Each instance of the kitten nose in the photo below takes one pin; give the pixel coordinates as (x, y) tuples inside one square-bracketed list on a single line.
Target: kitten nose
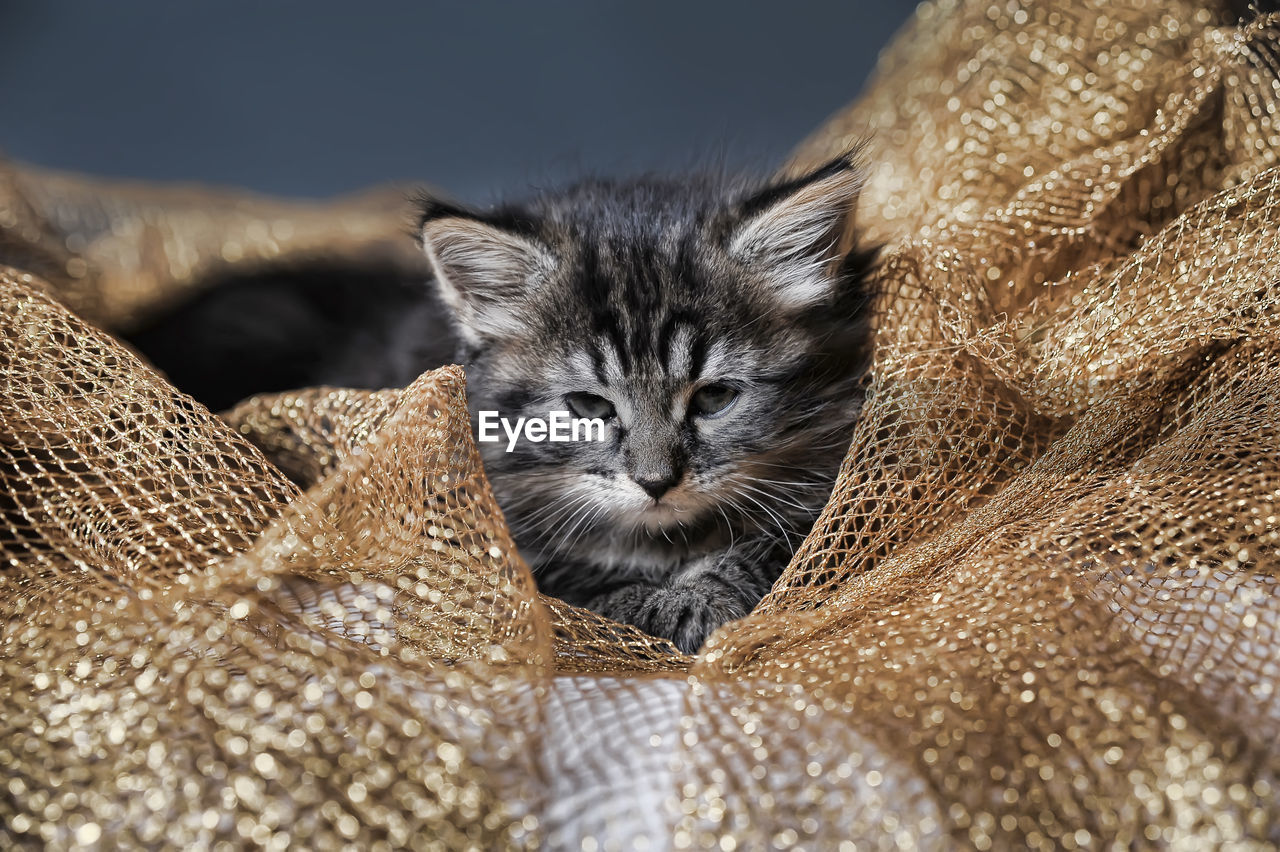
[(657, 484)]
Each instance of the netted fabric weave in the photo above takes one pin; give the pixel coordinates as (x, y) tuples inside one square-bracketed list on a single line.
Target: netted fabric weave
[(1039, 611)]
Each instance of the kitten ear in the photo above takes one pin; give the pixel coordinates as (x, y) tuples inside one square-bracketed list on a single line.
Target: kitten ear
[(798, 232), (484, 269)]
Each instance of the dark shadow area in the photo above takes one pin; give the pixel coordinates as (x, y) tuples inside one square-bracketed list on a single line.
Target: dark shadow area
[(295, 325)]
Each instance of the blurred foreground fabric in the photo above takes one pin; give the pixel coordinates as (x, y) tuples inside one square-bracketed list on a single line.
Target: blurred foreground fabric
[(1039, 611)]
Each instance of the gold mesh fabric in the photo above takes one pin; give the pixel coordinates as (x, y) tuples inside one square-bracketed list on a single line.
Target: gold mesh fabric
[(1039, 611), (118, 252)]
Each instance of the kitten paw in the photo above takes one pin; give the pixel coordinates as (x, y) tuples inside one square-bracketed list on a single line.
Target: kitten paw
[(688, 607), (687, 615)]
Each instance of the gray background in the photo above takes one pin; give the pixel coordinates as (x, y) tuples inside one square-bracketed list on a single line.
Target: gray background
[(478, 99)]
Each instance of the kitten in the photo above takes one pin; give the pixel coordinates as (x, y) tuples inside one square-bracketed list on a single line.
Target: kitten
[(721, 336)]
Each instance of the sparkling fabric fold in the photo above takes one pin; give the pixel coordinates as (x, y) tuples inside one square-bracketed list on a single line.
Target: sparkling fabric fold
[(1040, 609)]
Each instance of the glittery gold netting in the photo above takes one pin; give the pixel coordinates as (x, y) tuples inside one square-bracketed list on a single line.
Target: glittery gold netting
[(1039, 610)]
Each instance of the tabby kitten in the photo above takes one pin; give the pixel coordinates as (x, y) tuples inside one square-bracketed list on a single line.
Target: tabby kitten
[(720, 335)]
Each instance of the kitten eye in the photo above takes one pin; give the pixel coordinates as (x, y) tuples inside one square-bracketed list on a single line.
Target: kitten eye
[(590, 406), (712, 399)]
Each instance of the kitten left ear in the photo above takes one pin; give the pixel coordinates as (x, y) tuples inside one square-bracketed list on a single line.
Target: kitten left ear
[(482, 268), (798, 232)]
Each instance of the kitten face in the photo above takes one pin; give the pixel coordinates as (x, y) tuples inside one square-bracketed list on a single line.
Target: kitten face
[(717, 332)]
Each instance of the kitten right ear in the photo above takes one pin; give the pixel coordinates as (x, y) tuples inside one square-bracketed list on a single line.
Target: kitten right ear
[(799, 231), (483, 268)]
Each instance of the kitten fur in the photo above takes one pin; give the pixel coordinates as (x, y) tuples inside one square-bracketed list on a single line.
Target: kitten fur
[(721, 331)]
